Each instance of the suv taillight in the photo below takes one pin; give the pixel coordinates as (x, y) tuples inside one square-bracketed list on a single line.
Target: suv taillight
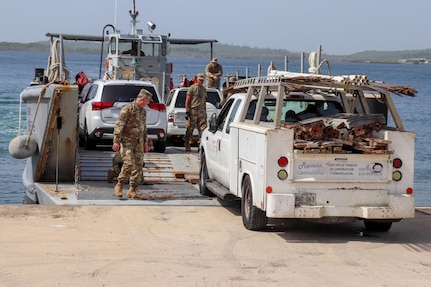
[(101, 105), (157, 107)]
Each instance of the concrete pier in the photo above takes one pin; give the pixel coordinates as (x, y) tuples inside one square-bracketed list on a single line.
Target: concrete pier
[(202, 246)]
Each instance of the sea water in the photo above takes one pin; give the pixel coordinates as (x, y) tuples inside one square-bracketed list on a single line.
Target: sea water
[(17, 70)]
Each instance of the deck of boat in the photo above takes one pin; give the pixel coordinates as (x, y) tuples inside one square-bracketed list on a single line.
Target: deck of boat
[(170, 179)]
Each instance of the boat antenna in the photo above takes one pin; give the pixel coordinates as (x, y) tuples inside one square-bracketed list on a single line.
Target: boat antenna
[(115, 16), (134, 14)]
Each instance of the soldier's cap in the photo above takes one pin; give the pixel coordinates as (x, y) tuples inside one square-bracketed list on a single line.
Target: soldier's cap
[(145, 94), (200, 76), (214, 60), (232, 79)]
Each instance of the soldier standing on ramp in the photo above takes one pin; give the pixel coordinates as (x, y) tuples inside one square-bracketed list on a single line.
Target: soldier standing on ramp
[(196, 114), (130, 138)]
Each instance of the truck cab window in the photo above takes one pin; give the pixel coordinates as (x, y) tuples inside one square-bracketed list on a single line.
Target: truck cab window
[(232, 115)]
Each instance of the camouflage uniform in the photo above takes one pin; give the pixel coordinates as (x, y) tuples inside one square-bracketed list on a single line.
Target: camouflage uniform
[(117, 163), (197, 112), (131, 132), (228, 91), (217, 69)]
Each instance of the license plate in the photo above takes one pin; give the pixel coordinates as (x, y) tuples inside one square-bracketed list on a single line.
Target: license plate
[(305, 199)]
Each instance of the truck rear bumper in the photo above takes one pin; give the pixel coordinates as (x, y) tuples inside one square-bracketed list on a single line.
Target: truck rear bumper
[(283, 206)]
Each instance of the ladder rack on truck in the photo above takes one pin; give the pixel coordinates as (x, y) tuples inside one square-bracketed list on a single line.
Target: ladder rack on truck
[(354, 85)]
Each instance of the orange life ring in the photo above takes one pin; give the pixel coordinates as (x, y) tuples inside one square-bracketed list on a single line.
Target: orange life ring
[(106, 63)]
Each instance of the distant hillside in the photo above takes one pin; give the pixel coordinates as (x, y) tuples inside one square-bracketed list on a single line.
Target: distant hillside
[(385, 56), (230, 51)]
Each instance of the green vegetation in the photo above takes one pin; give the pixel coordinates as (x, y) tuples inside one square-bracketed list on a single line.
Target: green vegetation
[(230, 51)]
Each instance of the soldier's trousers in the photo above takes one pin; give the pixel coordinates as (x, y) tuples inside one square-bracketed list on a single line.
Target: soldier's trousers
[(133, 159), (197, 119)]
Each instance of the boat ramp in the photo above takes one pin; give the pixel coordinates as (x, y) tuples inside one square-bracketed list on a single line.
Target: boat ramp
[(170, 179)]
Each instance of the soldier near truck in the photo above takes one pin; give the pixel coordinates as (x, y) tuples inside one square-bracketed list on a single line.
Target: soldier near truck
[(130, 138), (213, 71), (196, 114)]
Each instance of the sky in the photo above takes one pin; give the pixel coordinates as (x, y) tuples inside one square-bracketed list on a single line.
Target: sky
[(342, 27)]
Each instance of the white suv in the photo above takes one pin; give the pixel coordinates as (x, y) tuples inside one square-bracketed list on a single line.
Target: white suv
[(176, 111), (100, 104)]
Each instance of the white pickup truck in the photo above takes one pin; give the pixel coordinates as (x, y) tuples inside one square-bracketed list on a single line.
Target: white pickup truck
[(313, 147)]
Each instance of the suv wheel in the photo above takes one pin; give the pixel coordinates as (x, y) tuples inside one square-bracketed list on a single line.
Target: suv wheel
[(88, 143)]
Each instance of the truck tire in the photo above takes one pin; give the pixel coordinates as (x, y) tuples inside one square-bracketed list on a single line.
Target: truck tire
[(203, 176), (381, 226), (253, 218)]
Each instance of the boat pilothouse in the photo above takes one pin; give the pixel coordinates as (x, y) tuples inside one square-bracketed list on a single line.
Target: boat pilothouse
[(137, 55)]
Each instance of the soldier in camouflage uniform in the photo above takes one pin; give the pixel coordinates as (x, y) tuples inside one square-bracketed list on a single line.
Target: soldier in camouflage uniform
[(130, 138), (196, 114), (213, 71)]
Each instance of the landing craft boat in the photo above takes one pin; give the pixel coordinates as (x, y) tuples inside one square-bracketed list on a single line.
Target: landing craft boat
[(56, 171)]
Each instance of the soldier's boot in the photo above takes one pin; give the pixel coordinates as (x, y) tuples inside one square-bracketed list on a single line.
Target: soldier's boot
[(187, 145), (132, 192), (118, 189), (111, 175)]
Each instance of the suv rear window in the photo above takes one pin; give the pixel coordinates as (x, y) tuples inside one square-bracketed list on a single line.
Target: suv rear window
[(181, 99), (213, 98), (125, 93)]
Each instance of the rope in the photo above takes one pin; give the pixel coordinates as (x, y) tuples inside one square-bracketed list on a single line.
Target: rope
[(55, 74), (42, 92), (312, 62)]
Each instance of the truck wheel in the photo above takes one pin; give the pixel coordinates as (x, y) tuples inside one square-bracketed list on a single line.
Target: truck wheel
[(253, 218), (382, 226), (203, 176)]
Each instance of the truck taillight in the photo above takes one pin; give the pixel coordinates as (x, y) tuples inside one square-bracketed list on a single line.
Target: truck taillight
[(397, 175), (282, 174), (397, 163), (283, 161)]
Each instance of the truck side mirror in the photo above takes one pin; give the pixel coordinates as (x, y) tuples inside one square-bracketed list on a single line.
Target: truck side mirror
[(213, 123)]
